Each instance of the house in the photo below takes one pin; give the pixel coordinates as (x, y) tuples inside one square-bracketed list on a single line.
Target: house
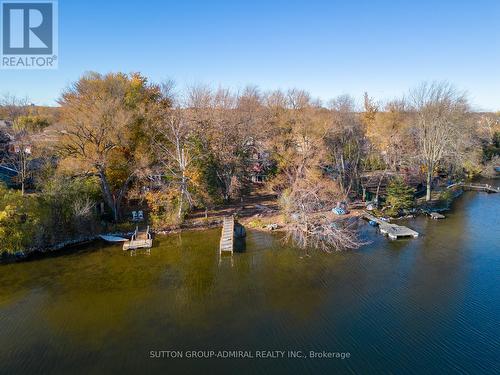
[(15, 148), (259, 161)]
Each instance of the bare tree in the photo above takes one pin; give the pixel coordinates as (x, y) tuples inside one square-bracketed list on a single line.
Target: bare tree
[(172, 145), (13, 107), (224, 132), (309, 226), (19, 157), (345, 141), (489, 125), (306, 194), (440, 115)]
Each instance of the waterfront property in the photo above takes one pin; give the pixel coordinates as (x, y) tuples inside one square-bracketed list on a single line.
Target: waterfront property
[(429, 305)]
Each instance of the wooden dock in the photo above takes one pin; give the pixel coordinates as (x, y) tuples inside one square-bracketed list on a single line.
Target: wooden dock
[(227, 235), (477, 187), (393, 231), (139, 240)]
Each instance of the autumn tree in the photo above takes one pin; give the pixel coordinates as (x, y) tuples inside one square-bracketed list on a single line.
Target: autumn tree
[(369, 115), (280, 137), (13, 107), (105, 130), (295, 134), (223, 138), (345, 142), (300, 130), (174, 150), (32, 123), (439, 124), (389, 137)]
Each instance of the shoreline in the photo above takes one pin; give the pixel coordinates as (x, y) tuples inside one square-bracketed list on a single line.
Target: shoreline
[(258, 222)]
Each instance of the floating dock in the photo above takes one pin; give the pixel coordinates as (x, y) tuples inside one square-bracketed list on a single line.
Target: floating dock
[(227, 236), (393, 231), (139, 240)]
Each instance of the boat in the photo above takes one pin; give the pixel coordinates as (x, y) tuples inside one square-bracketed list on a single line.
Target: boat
[(109, 238), (239, 231), (20, 255), (339, 211), (436, 215)]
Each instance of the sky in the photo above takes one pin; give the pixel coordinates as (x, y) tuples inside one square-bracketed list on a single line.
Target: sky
[(328, 48)]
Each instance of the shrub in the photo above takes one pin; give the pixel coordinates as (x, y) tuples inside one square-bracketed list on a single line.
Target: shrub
[(163, 206), (65, 209), (19, 219), (68, 208), (446, 196), (32, 123)]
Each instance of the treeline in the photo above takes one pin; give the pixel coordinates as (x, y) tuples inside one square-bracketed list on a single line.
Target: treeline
[(118, 138)]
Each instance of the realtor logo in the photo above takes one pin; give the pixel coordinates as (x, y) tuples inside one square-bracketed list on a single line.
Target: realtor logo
[(29, 34)]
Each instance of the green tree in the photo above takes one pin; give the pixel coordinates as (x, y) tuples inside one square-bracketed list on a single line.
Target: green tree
[(400, 196)]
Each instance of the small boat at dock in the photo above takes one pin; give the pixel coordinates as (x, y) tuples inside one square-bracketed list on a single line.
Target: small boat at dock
[(239, 231), (436, 215), (109, 238)]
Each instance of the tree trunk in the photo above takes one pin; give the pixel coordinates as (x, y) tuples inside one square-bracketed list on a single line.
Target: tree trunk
[(179, 213), (183, 189), (108, 197), (119, 196), (429, 178), (379, 184)]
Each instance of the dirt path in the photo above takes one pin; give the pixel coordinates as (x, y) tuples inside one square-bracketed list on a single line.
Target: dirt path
[(258, 202), (256, 210)]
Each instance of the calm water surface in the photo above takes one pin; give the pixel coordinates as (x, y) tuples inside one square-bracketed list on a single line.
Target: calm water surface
[(429, 305)]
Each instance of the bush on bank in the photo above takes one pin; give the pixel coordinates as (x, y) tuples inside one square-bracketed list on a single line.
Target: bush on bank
[(64, 210)]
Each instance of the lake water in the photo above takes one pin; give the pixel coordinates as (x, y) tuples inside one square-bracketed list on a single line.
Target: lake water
[(426, 305)]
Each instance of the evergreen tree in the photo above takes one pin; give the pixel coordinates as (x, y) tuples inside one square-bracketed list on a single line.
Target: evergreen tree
[(399, 195)]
